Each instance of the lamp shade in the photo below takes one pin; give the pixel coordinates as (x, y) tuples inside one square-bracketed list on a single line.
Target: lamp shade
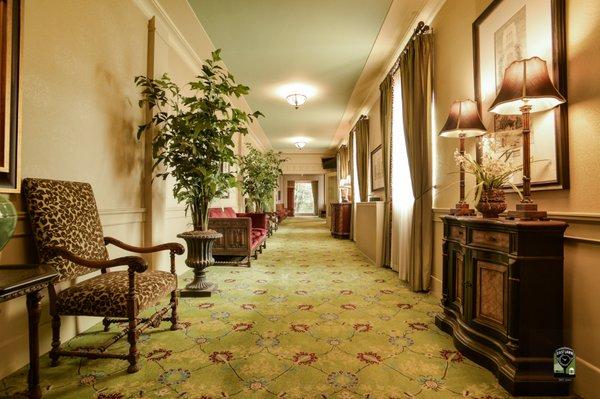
[(526, 82), (463, 120)]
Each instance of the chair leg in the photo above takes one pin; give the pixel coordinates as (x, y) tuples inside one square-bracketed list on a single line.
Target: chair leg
[(133, 352), (174, 316), (55, 340)]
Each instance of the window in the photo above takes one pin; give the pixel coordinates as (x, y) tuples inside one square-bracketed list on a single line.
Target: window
[(303, 198)]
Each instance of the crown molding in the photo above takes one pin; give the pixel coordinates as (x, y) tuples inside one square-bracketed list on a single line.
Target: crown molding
[(366, 89)]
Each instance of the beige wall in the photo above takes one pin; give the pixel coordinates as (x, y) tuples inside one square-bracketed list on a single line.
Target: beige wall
[(79, 117), (579, 206), (79, 114)]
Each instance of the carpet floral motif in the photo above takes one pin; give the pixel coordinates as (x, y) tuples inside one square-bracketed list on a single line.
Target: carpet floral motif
[(312, 318)]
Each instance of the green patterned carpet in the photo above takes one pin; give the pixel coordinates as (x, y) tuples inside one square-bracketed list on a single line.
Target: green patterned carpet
[(311, 319)]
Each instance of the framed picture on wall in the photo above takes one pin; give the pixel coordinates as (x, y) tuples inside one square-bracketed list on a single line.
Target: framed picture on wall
[(507, 31), (377, 180), (10, 105)]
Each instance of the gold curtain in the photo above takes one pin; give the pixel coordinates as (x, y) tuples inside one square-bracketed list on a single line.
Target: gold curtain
[(362, 157), (342, 163), (315, 193), (416, 70), (385, 115)]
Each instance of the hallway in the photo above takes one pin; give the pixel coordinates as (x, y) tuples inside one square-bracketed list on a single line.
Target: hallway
[(310, 319)]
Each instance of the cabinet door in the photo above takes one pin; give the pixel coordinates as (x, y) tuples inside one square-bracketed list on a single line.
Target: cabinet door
[(459, 280), (491, 294), (455, 275)]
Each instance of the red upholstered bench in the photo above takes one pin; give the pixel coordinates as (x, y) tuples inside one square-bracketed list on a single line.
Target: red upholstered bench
[(244, 234)]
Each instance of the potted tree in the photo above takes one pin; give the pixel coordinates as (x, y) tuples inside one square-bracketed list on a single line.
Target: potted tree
[(192, 138), (259, 173)]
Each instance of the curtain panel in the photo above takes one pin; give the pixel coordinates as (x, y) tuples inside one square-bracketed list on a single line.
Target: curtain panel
[(342, 163), (291, 193), (315, 193), (361, 137), (416, 73), (402, 195), (385, 115), (351, 154)]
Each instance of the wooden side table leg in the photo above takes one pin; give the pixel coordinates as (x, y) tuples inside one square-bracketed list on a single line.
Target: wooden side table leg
[(33, 311)]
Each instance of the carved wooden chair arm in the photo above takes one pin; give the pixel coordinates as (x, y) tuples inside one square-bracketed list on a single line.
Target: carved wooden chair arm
[(174, 247), (135, 263)]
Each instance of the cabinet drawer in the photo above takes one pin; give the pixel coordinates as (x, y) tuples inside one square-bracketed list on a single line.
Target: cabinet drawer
[(457, 233), (491, 239)]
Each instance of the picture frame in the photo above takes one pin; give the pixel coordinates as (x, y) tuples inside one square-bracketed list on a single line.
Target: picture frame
[(377, 178), (11, 21), (508, 30)]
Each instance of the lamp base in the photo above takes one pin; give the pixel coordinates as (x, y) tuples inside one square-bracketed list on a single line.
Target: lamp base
[(462, 209), (527, 211)]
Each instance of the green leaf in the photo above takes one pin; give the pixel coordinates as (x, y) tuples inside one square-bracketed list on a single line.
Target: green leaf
[(195, 133)]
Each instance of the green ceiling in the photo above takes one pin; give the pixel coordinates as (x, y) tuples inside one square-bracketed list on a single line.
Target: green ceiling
[(268, 43)]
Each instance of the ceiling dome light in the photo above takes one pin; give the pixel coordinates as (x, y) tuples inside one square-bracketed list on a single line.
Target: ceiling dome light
[(300, 144), (296, 100)]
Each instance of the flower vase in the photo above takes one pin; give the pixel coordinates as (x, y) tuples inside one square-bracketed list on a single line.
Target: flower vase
[(492, 203), (8, 221)]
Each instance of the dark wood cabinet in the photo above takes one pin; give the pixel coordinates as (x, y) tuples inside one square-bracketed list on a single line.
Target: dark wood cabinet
[(341, 214), (502, 298)]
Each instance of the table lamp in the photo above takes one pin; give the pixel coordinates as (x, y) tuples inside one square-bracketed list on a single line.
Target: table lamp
[(463, 121), (526, 88), (344, 188)]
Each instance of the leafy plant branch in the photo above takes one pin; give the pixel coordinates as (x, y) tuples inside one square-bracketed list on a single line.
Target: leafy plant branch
[(193, 135), (259, 173)]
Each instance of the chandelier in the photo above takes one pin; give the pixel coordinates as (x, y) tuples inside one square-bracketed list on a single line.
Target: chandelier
[(300, 144), (296, 100)]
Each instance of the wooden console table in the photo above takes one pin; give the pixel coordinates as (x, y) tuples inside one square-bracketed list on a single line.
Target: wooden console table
[(19, 280), (503, 298), (341, 215)]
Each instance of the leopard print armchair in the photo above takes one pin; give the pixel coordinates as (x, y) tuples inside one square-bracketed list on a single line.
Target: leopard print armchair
[(68, 235)]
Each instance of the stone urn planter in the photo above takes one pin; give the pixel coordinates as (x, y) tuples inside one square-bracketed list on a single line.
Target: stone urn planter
[(492, 203), (199, 257)]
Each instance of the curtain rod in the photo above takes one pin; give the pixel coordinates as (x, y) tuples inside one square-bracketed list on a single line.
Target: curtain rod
[(419, 30)]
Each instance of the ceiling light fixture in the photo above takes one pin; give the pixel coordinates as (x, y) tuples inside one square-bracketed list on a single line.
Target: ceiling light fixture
[(300, 144), (296, 99)]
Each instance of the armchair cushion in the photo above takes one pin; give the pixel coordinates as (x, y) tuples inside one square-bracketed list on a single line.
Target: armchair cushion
[(106, 294), (257, 237), (64, 214), (229, 213), (216, 213), (259, 220)]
